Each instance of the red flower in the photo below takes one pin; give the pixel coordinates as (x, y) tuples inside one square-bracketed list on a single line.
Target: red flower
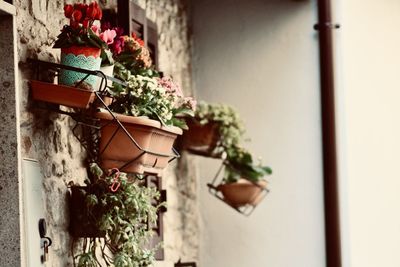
[(118, 45), (137, 39), (74, 24), (119, 30), (80, 6), (77, 15), (91, 12), (68, 9), (86, 23), (105, 26), (99, 14)]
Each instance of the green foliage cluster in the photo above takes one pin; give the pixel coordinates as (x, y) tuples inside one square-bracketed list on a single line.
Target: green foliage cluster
[(80, 36), (230, 126), (128, 64), (239, 162), (124, 216)]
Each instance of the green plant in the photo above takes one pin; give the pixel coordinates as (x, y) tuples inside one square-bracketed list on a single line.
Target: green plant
[(239, 164), (156, 98), (124, 216), (230, 126)]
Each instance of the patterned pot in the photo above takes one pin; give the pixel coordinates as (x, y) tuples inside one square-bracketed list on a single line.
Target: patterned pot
[(80, 57)]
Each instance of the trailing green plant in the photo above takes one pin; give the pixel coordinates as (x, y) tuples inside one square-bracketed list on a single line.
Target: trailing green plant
[(230, 126), (124, 217), (239, 163)]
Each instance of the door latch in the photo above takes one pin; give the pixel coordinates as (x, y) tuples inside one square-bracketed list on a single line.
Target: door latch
[(45, 241)]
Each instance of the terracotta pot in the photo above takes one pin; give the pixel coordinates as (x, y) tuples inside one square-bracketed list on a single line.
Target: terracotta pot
[(80, 57), (82, 222), (150, 135), (200, 139), (242, 192), (61, 94)]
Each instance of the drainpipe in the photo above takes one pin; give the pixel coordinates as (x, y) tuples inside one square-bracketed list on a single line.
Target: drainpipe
[(325, 27)]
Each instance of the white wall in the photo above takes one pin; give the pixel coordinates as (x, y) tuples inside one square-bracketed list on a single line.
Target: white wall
[(262, 57), (369, 111)]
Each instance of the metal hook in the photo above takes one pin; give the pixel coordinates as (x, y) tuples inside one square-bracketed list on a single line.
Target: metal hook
[(116, 184)]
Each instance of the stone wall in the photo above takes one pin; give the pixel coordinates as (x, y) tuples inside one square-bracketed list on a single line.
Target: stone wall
[(47, 136)]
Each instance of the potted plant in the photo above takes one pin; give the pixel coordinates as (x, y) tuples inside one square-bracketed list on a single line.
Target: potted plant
[(133, 58), (81, 47), (243, 180), (214, 128), (149, 109), (120, 210)]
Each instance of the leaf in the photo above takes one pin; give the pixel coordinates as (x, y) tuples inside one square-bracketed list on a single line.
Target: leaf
[(184, 111), (106, 57), (179, 123), (267, 170), (96, 170), (91, 42), (91, 200)]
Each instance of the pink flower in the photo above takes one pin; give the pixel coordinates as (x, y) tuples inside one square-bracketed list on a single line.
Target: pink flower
[(191, 103), (170, 86), (108, 36), (96, 30), (118, 45), (119, 30)]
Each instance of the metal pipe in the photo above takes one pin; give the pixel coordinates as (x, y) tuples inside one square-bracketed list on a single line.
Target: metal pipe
[(331, 199)]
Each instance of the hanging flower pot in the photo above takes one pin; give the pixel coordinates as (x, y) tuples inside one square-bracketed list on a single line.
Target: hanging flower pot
[(151, 152), (201, 138), (243, 192), (125, 208), (61, 94), (80, 44), (214, 128), (80, 57)]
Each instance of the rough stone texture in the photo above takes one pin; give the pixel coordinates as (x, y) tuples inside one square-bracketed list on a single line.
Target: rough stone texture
[(47, 136), (9, 184)]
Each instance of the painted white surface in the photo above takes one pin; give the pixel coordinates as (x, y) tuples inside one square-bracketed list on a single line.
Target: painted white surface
[(6, 8), (33, 210), (369, 88), (262, 57)]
